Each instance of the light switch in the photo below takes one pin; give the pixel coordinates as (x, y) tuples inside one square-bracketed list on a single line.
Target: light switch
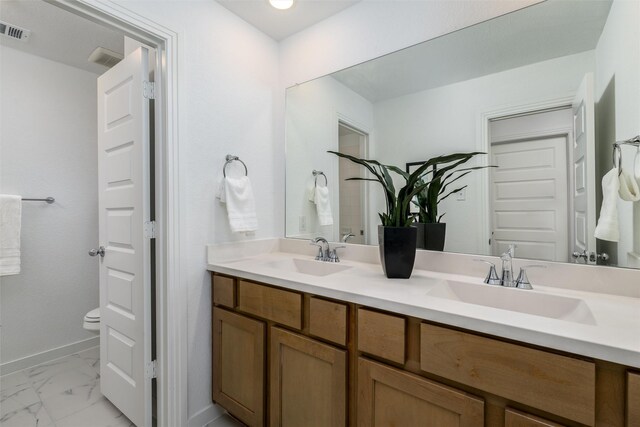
[(461, 195)]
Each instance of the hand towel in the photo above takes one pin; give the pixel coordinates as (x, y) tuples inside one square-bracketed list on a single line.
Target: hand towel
[(237, 194), (10, 224), (323, 206), (629, 191), (608, 227)]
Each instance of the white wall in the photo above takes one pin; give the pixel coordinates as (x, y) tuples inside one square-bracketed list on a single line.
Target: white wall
[(228, 104), (48, 143), (445, 120), (617, 91), (313, 111)]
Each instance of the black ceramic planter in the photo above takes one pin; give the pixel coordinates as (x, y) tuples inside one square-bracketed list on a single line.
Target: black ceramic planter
[(397, 250), (431, 236)]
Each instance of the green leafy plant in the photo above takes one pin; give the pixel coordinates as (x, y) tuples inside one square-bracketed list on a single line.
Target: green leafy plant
[(437, 188), (398, 203)]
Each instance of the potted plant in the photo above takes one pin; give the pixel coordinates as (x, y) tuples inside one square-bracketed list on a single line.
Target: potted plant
[(431, 231), (396, 236)]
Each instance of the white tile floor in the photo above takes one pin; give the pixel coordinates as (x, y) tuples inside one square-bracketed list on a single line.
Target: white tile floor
[(61, 393)]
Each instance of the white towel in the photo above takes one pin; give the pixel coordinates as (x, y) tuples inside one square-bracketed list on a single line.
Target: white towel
[(237, 194), (629, 191), (10, 223), (323, 206), (608, 227)]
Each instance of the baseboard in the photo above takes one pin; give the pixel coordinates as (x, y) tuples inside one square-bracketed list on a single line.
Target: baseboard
[(47, 356), (205, 416)]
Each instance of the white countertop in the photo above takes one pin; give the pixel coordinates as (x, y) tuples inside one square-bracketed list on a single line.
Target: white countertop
[(613, 335)]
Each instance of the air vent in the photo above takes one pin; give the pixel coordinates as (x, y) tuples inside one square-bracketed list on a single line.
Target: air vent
[(11, 31), (105, 57)]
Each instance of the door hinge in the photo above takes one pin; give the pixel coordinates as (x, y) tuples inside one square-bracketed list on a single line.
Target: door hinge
[(151, 369), (149, 90), (150, 229)]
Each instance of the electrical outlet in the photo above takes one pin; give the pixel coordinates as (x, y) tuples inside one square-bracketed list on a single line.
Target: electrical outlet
[(461, 195), (302, 223)]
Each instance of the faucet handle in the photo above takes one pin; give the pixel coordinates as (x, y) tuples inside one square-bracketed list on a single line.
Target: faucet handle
[(333, 254), (492, 277), (522, 282), (320, 255)]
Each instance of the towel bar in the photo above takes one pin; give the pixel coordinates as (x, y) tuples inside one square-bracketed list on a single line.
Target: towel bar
[(49, 200)]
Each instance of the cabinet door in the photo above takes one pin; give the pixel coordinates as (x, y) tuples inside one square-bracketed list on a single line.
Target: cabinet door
[(238, 365), (391, 397), (307, 382), (515, 418)]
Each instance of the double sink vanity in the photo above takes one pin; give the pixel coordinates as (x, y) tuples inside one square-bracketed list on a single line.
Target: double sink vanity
[(302, 342)]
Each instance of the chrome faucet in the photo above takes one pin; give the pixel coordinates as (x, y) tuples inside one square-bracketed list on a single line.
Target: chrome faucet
[(507, 267), (347, 236), (323, 248), (325, 253)]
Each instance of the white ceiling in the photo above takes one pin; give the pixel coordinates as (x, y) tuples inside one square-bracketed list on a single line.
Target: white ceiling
[(280, 24), (544, 31), (58, 35)]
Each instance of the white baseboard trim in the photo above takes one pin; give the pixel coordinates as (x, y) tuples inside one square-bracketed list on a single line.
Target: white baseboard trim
[(47, 356), (205, 416)]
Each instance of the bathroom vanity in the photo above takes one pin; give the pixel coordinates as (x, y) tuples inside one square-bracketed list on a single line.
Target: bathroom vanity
[(299, 342)]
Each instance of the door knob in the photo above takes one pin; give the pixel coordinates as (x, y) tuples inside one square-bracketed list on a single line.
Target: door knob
[(99, 251)]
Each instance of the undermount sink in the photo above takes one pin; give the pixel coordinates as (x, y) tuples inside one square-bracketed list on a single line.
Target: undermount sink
[(521, 301), (305, 266)]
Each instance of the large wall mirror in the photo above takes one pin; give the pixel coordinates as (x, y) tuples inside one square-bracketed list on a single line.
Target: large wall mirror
[(545, 91)]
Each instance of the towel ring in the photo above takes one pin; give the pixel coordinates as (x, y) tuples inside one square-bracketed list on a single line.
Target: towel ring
[(230, 159), (315, 174), (617, 163)]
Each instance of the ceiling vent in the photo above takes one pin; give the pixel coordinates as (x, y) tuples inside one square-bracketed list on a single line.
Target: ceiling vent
[(105, 57), (11, 31)]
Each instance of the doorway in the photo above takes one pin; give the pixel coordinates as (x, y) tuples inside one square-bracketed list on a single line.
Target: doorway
[(352, 201), (529, 190), (159, 159)]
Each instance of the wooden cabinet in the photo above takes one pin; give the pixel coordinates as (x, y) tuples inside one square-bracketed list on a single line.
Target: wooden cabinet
[(515, 418), (238, 365), (391, 397), (560, 385), (382, 335), (307, 382), (285, 358), (633, 399)]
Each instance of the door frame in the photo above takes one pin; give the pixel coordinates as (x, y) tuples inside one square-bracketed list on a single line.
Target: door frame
[(483, 144), (171, 301), (343, 120)]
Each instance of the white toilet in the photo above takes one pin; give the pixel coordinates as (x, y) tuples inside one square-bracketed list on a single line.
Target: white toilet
[(92, 321)]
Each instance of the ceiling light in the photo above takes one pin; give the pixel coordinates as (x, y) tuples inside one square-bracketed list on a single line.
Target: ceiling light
[(281, 4)]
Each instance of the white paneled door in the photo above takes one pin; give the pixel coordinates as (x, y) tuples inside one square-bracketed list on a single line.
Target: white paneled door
[(125, 308), (529, 198), (584, 203)]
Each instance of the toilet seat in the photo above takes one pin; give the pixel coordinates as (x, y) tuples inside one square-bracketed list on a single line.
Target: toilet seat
[(92, 320)]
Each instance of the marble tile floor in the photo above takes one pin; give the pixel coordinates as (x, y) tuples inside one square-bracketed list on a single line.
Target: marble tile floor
[(225, 421), (62, 393)]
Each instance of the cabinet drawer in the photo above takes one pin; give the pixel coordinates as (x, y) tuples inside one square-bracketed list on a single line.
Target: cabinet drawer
[(557, 384), (328, 320), (633, 399), (513, 418), (279, 306), (224, 291), (381, 335)]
